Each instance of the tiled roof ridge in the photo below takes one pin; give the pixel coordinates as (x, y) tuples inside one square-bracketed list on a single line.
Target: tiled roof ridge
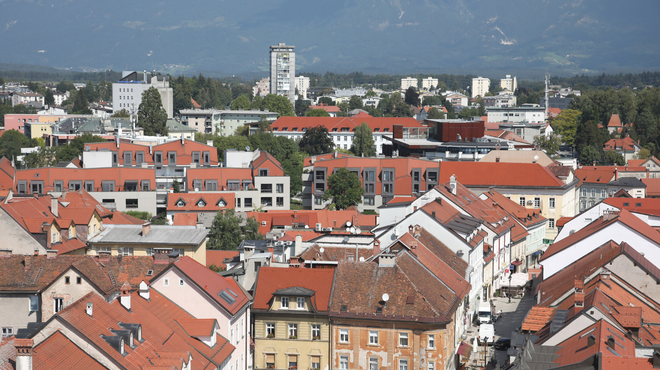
[(418, 290)]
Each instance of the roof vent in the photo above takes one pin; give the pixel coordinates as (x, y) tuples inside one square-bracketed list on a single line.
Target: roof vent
[(226, 297), (591, 340), (344, 308), (150, 272), (115, 342)]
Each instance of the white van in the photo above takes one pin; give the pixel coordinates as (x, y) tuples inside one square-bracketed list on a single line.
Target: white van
[(485, 313), (487, 331)]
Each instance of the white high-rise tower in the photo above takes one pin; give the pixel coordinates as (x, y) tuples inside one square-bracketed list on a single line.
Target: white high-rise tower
[(283, 71)]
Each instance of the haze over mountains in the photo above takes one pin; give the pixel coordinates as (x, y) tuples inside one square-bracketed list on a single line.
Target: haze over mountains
[(372, 36)]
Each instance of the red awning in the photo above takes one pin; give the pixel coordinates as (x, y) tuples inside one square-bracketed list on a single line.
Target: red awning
[(464, 349), (516, 263)]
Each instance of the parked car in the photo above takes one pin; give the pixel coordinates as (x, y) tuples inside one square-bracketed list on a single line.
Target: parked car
[(502, 344)]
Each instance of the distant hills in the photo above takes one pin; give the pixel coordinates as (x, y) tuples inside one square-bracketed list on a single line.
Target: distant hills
[(522, 37)]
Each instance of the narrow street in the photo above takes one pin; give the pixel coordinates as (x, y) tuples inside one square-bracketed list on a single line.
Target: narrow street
[(513, 315)]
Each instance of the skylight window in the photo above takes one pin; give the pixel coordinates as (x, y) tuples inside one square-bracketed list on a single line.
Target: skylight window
[(226, 297), (232, 293), (150, 273)]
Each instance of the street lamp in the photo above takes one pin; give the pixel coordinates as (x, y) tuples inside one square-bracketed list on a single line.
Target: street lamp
[(509, 287)]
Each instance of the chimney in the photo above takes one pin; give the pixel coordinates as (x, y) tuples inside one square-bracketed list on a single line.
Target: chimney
[(298, 245), (433, 214), (173, 257), (452, 184), (23, 353), (209, 142), (90, 308), (610, 343), (36, 252), (144, 290), (53, 207), (386, 260), (271, 249), (579, 293), (410, 228), (125, 297), (5, 253), (161, 257), (27, 262), (146, 227), (376, 249), (51, 254)]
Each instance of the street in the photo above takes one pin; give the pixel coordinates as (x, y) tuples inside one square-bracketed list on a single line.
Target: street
[(512, 318)]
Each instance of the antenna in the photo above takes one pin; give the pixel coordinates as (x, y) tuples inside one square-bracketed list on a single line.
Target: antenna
[(386, 297)]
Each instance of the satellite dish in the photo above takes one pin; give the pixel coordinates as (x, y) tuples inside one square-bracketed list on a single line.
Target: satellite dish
[(348, 223), (386, 297), (352, 230), (358, 231), (322, 250), (346, 239), (348, 229), (361, 259), (247, 148)]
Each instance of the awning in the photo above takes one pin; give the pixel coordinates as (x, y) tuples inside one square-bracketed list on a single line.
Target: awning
[(536, 253), (464, 349), (516, 263)]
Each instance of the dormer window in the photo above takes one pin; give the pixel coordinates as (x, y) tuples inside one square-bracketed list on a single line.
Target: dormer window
[(180, 203), (300, 303), (201, 203), (222, 203), (284, 303)]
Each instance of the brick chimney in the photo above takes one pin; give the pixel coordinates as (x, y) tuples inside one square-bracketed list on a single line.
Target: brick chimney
[(23, 353), (5, 253), (579, 293), (27, 262), (146, 227), (161, 257), (51, 254), (125, 296)]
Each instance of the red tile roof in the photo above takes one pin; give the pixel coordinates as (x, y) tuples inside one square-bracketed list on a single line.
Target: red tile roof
[(183, 151), (290, 235), (217, 257), (321, 157), (499, 174), (397, 200), (267, 161), (325, 217), (191, 201), (621, 144), (595, 175), (271, 279), (526, 216), (575, 349), (58, 352), (652, 187), (213, 284), (6, 174), (327, 108), (537, 318), (336, 124), (121, 218), (184, 219), (334, 254), (614, 121), (649, 206), (198, 327), (117, 174)]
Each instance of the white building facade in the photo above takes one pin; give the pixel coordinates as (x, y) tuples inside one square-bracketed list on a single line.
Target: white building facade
[(429, 82), (408, 82), (480, 86), (127, 92), (283, 71), (509, 83)]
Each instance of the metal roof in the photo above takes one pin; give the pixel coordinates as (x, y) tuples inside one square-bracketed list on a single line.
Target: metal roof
[(159, 234)]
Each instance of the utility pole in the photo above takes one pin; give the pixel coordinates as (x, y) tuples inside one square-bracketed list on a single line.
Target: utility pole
[(547, 81)]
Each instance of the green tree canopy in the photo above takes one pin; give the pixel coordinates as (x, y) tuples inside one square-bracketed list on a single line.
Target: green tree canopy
[(151, 115), (301, 106), (326, 100), (612, 157), (226, 232), (11, 143), (75, 148), (589, 155), (566, 124), (80, 104), (435, 113), (242, 102), (370, 94), (45, 156), (412, 97), (396, 107), (644, 153), (355, 103), (317, 113), (363, 141), (316, 140), (344, 189), (549, 144), (279, 104), (49, 98), (432, 100), (64, 86), (122, 114), (176, 186)]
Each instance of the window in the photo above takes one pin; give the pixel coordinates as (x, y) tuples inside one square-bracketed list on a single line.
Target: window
[(280, 201), (267, 201), (270, 330), (369, 188), (279, 188), (211, 185), (320, 175), (266, 188), (171, 158), (207, 158), (231, 335), (537, 202), (316, 362), (603, 193), (146, 185), (131, 203), (343, 335), (58, 304), (343, 362), (373, 363), (197, 185), (318, 201), (76, 185), (300, 303), (158, 158), (248, 202), (105, 185), (551, 202), (369, 201), (431, 341), (284, 303), (196, 158), (34, 303), (373, 337), (139, 158), (388, 175), (388, 188), (403, 339), (551, 223), (166, 282), (58, 185), (263, 172), (7, 332), (293, 362), (89, 185), (78, 280), (67, 280), (293, 331), (403, 364), (584, 192), (128, 158), (431, 365), (238, 202), (131, 186), (270, 361), (521, 201)]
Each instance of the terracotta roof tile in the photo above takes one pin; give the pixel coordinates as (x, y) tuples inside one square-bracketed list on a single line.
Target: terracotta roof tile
[(626, 143), (537, 318), (271, 279), (321, 157), (217, 257), (334, 254), (614, 121), (197, 327), (58, 352), (191, 202), (381, 123), (121, 218), (487, 174), (575, 349), (443, 252)]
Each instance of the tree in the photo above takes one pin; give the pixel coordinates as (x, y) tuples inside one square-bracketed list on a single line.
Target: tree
[(644, 153), (226, 232), (301, 106), (80, 104), (49, 98), (242, 102), (257, 103), (75, 148), (151, 115), (612, 157), (370, 94), (566, 124), (122, 114), (317, 113), (316, 140), (550, 144), (344, 189), (412, 97), (64, 86), (326, 100), (434, 113), (279, 104), (432, 100), (588, 135), (45, 156), (176, 186), (363, 141), (355, 103), (396, 107), (589, 155), (11, 143)]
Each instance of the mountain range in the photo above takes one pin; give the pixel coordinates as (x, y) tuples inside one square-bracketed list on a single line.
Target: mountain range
[(373, 36)]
